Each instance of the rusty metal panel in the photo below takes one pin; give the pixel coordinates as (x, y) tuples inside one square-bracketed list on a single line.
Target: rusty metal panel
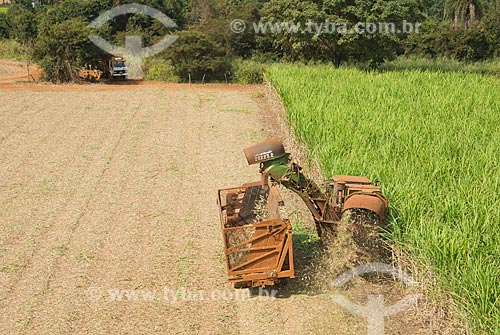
[(257, 241), (352, 179), (371, 201)]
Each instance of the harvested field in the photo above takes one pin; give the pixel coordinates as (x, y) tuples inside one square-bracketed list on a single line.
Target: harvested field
[(109, 223)]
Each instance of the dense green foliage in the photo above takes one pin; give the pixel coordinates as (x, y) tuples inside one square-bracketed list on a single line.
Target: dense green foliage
[(197, 58), (63, 45), (4, 24), (159, 69), (487, 67), (23, 24), (322, 44), (248, 72), (57, 34), (10, 49), (465, 30), (433, 140)]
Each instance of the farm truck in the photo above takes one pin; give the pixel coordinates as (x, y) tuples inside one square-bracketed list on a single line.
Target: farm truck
[(115, 67)]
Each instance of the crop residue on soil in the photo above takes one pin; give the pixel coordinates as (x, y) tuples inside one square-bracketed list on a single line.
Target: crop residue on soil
[(103, 195)]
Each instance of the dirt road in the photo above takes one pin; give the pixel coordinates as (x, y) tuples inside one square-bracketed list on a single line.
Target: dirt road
[(108, 217)]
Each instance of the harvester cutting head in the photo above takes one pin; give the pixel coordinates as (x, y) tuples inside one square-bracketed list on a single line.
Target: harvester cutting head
[(342, 192), (358, 193)]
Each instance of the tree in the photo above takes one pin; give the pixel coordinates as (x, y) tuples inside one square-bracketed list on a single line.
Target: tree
[(196, 57), (324, 30), (438, 39), (63, 47), (5, 25), (217, 21), (23, 24), (491, 24), (463, 12), (24, 28)]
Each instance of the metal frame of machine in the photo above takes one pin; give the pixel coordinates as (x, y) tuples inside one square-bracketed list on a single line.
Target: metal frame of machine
[(264, 254), (257, 253)]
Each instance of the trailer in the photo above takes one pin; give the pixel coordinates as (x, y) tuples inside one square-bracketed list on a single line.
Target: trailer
[(257, 240)]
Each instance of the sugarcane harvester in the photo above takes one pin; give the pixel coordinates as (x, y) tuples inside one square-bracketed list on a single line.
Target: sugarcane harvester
[(257, 240)]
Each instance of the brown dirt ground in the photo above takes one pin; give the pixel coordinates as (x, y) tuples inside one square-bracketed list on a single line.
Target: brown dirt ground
[(12, 72), (102, 191)]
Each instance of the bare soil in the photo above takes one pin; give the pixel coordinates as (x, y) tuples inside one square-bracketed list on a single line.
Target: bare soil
[(113, 187), (12, 72)]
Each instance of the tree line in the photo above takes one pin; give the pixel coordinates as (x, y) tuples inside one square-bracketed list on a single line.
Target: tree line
[(55, 33)]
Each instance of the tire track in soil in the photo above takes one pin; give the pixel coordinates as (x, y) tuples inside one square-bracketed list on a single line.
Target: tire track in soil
[(31, 178), (16, 120), (43, 258), (151, 223), (20, 158)]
